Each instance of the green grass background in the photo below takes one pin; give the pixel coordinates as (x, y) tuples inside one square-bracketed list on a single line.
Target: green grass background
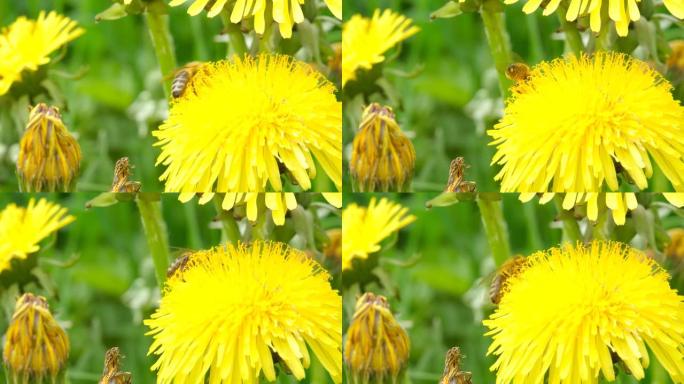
[(442, 298), (110, 286)]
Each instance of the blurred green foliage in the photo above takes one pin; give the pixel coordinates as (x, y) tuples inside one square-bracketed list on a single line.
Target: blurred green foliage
[(452, 98), (441, 297), (98, 277)]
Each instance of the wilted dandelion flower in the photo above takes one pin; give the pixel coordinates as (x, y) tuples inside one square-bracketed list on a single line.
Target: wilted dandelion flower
[(365, 41), (21, 229), (675, 249), (253, 303), (364, 228), (376, 347), (36, 347), (383, 158), (245, 120), (576, 123), (49, 156), (573, 307), (27, 44), (675, 60), (285, 13), (619, 12)]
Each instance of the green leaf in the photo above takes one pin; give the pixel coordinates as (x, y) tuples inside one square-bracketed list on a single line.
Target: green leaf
[(447, 11), (103, 200), (115, 12)]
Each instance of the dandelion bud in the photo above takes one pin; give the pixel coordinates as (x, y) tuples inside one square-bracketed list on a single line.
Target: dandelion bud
[(675, 250), (36, 348), (49, 156), (377, 347), (383, 158)]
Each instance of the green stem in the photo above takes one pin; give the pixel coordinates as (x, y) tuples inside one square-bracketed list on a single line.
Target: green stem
[(495, 226), (572, 34), (237, 45), (499, 43), (230, 227), (571, 229), (534, 236), (536, 44), (155, 232), (158, 25), (258, 228)]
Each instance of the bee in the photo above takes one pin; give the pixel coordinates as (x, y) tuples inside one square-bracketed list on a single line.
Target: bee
[(510, 268), (111, 374), (518, 72), (456, 174), (122, 170), (179, 265), (183, 76), (452, 369)]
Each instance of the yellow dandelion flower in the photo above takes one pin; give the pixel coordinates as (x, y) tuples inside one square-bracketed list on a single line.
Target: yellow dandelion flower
[(35, 345), (376, 347), (576, 123), (278, 203), (284, 12), (620, 12), (383, 158), (365, 41), (619, 203), (364, 228), (255, 303), (676, 199), (245, 120), (565, 314), (49, 156), (27, 44), (21, 229)]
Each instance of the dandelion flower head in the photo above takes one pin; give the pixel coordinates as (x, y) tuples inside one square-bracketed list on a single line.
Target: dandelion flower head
[(365, 41), (620, 12), (571, 307), (285, 13), (364, 228), (22, 228), (243, 123), (235, 301), (576, 123), (27, 44)]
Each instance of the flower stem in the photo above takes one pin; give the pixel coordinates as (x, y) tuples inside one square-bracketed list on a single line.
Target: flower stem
[(534, 236), (230, 227), (536, 44), (499, 41), (495, 226), (237, 44), (149, 205), (158, 24), (572, 34), (571, 229)]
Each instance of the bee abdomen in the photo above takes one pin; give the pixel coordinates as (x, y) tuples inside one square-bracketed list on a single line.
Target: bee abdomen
[(179, 83)]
